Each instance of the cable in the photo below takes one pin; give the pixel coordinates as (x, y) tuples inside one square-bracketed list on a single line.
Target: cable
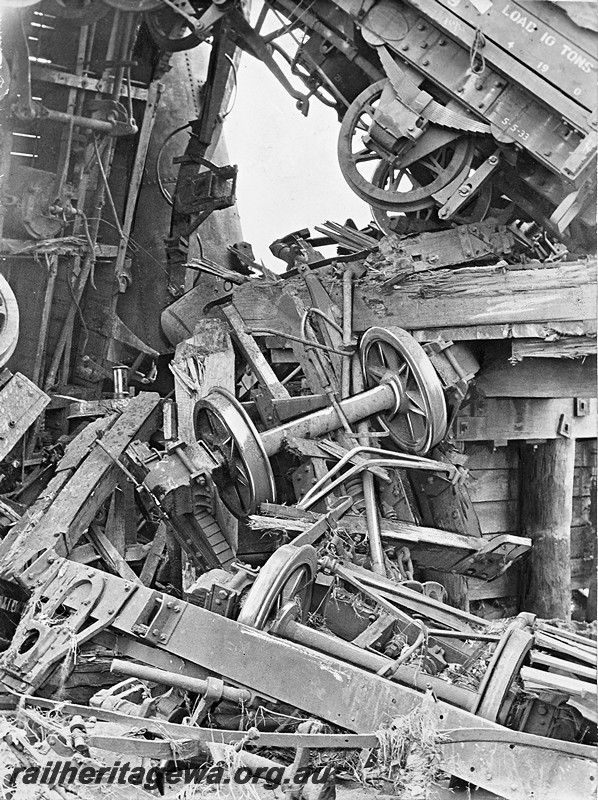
[(91, 249), (134, 242), (108, 192), (235, 88), (165, 194)]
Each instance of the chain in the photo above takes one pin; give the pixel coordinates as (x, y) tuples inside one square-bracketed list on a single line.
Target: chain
[(477, 62)]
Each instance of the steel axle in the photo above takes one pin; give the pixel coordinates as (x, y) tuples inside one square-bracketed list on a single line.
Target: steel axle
[(246, 477), (404, 394)]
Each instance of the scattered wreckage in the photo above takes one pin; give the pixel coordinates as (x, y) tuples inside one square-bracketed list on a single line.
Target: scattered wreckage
[(336, 602), (265, 560)]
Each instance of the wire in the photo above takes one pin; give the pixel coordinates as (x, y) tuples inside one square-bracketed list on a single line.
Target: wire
[(475, 53), (108, 192), (91, 249), (134, 242), (78, 307), (166, 194), (235, 88)]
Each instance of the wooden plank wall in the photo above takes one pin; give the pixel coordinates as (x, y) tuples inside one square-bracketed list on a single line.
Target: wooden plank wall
[(494, 487)]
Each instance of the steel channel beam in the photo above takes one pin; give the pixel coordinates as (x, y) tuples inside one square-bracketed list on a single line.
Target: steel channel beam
[(346, 651), (374, 401), (521, 75), (516, 766)]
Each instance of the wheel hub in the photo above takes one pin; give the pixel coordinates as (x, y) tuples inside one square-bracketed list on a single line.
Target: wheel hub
[(244, 477), (419, 420)]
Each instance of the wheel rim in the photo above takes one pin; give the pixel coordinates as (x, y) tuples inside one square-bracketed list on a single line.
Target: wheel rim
[(420, 421), (244, 477), (287, 575), (475, 211), (9, 321), (380, 180), (170, 31)]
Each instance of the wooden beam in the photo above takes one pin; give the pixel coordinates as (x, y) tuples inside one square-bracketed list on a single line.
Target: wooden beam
[(202, 362), (565, 347), (21, 403), (481, 295), (549, 377), (77, 500), (539, 331), (546, 511), (510, 418), (262, 370)]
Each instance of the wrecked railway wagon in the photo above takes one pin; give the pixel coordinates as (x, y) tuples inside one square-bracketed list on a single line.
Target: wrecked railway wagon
[(316, 527)]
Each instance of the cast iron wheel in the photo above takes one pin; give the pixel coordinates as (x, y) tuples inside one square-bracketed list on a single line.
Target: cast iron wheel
[(420, 421), (475, 211), (287, 575), (244, 478), (379, 178), (170, 31), (9, 321)]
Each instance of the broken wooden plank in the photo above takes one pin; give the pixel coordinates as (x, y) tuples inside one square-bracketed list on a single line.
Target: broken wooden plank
[(206, 360), (564, 347), (110, 554), (60, 525), (482, 295), (536, 657), (21, 403), (542, 331), (257, 361), (536, 678)]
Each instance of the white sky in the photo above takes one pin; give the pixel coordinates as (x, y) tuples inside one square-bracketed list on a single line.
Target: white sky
[(289, 176)]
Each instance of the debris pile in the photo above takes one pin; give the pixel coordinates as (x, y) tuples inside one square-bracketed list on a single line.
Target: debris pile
[(313, 532), (238, 573)]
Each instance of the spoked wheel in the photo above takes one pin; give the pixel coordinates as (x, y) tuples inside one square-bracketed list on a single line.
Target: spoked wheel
[(244, 477), (385, 179), (287, 575), (411, 185), (420, 421), (9, 321), (171, 31), (475, 211)]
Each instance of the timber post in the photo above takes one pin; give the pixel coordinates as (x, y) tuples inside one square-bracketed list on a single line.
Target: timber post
[(547, 472)]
